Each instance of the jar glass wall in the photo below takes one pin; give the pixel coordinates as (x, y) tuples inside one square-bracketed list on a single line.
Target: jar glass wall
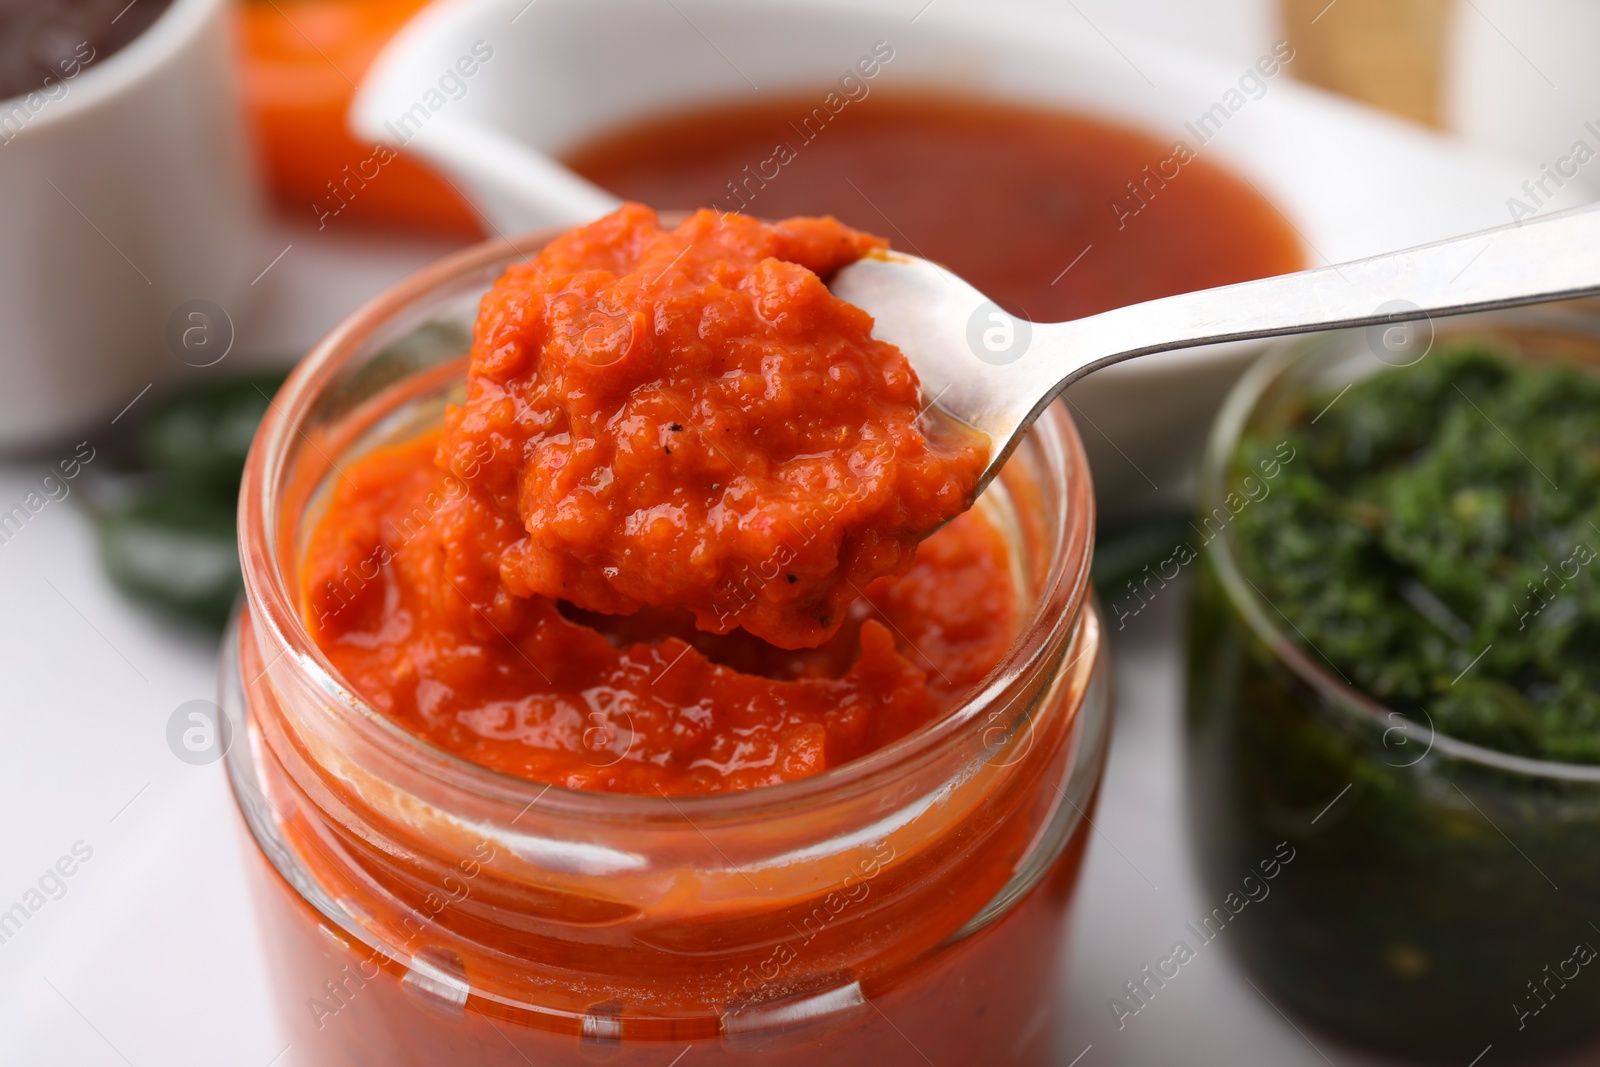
[(419, 909), (1441, 894)]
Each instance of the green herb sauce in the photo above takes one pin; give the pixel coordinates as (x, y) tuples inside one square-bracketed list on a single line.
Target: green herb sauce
[(1436, 540)]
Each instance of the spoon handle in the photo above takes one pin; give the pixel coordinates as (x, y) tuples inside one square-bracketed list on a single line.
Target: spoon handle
[(1549, 258)]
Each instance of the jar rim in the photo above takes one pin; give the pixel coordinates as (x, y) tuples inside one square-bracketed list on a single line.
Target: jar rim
[(1239, 409), (1063, 592)]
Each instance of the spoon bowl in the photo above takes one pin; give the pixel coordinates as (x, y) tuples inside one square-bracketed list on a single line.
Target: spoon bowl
[(996, 372)]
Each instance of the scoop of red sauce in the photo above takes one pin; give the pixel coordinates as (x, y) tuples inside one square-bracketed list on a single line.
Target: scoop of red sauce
[(687, 418), (679, 461)]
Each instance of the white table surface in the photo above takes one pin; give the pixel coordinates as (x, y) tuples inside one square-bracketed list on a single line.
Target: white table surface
[(150, 957)]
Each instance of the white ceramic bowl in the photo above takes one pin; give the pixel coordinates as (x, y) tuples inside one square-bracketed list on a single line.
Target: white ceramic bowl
[(125, 194), (1353, 182)]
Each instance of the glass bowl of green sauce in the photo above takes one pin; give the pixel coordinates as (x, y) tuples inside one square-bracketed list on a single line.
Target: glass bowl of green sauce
[(1394, 677)]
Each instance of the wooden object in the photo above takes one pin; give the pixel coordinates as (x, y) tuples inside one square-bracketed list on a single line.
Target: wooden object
[(1388, 53)]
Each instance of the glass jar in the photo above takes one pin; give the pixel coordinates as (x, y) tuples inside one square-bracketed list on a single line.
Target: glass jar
[(419, 909), (1431, 896)]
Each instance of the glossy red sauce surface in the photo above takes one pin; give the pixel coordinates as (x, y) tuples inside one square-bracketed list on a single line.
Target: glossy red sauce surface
[(688, 419), (1052, 214)]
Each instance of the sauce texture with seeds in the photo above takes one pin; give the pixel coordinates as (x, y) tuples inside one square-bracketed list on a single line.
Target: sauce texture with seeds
[(689, 419)]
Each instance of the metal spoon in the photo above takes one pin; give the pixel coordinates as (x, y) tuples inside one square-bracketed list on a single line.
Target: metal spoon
[(997, 373)]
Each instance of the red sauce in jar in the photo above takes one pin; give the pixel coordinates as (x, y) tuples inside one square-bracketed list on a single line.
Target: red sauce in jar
[(404, 588), (638, 703), (666, 434)]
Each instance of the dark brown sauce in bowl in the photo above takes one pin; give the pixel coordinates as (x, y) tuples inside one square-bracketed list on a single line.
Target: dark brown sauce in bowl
[(1053, 214), (46, 43)]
